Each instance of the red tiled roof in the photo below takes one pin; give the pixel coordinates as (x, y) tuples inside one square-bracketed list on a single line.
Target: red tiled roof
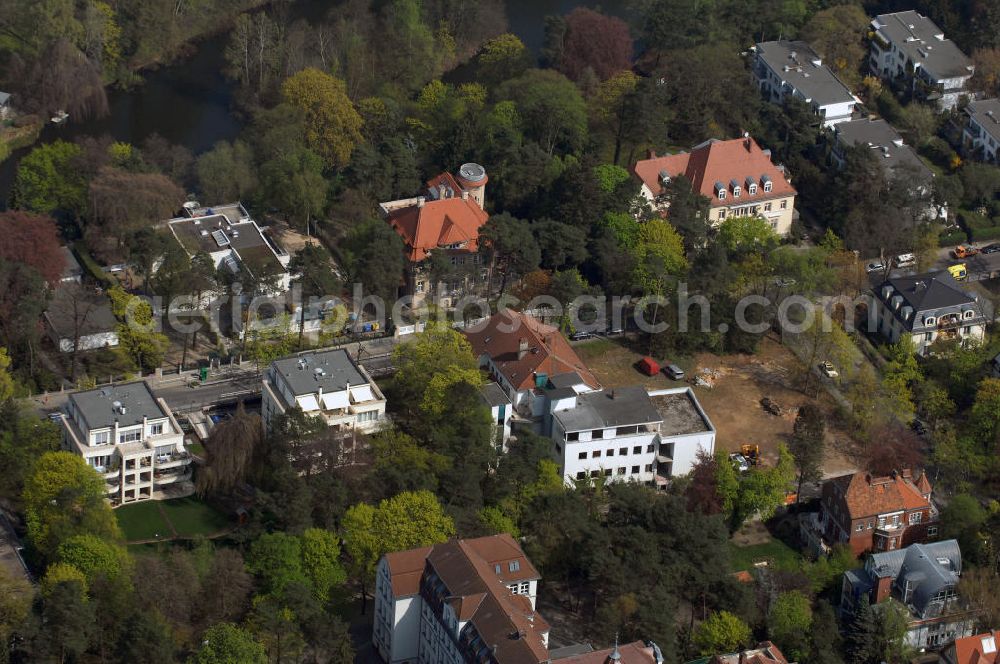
[(548, 351), (977, 649), (437, 223), (405, 569), (863, 495), (631, 653), (719, 161)]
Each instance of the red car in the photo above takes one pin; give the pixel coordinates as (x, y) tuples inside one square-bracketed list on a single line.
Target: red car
[(648, 366)]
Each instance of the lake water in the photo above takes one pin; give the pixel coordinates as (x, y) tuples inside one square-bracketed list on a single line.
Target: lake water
[(190, 102)]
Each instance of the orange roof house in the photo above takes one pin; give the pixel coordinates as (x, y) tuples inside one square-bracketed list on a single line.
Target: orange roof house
[(976, 649), (873, 513), (736, 176), (520, 350), (765, 653), (447, 215)]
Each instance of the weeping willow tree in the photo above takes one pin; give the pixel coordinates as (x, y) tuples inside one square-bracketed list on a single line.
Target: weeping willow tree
[(230, 449)]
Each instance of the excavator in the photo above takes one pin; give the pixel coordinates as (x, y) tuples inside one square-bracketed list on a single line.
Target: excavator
[(751, 453)]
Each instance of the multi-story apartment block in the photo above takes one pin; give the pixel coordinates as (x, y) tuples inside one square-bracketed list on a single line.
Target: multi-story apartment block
[(327, 384), (131, 438), (871, 513), (926, 308), (736, 176), (924, 579), (981, 134), (792, 68), (524, 356), (234, 240), (464, 601), (911, 48), (627, 434), (446, 219), (899, 161)]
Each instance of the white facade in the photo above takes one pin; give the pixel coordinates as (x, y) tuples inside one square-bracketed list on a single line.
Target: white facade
[(981, 135), (961, 318), (140, 457), (784, 69), (651, 449), (396, 630), (357, 406), (94, 341)]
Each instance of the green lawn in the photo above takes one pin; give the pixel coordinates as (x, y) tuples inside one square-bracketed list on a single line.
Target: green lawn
[(780, 554), (197, 449), (188, 516), (191, 517), (142, 521)]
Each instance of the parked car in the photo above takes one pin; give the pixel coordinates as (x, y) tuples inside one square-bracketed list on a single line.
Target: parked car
[(615, 330), (874, 266), (784, 282), (740, 462), (906, 260), (965, 251), (580, 336), (991, 248), (828, 369), (648, 366), (770, 406), (673, 371), (959, 272)]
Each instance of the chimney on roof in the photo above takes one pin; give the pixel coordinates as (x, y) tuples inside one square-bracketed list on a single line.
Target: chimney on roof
[(442, 191), (651, 154), (465, 195), (421, 201), (746, 140), (522, 347)]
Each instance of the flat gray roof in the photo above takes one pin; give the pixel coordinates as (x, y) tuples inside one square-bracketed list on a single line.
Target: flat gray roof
[(75, 306), (333, 370), (97, 407), (494, 395), (72, 268), (794, 62), (987, 113), (897, 156), (681, 414), (924, 43), (609, 408)]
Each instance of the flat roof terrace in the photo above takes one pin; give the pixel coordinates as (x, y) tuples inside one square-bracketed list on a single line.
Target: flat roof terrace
[(681, 412)]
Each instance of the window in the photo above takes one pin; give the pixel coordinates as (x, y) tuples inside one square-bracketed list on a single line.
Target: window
[(610, 453), (767, 187), (649, 448), (635, 470), (930, 320), (525, 587), (595, 473), (368, 416), (102, 437), (767, 207), (784, 205), (622, 451), (722, 214), (916, 517), (156, 429), (581, 475), (573, 436), (752, 189), (637, 449), (722, 194), (607, 472), (514, 565), (931, 531), (420, 287), (129, 436), (597, 434), (736, 191), (859, 527), (596, 454), (649, 467), (621, 470), (968, 314), (582, 455)]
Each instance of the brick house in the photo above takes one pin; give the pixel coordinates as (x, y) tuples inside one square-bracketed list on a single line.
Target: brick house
[(877, 513)]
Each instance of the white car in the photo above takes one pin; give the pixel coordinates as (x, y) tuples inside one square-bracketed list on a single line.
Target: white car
[(906, 260), (874, 266), (828, 369), (740, 462)]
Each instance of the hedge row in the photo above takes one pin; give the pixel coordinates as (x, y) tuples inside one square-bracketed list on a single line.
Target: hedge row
[(953, 238), (981, 234)]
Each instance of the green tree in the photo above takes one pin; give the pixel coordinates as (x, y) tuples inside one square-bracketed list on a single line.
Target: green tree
[(501, 58), (494, 521), (551, 107), (312, 270), (985, 421), (438, 358), (49, 178), (7, 384), (226, 172), (294, 183), (227, 643), (333, 125), (508, 247), (136, 329), (95, 557), (722, 632), (69, 623), (63, 497), (15, 607), (789, 621), (321, 561), (808, 444), (374, 257), (963, 519), (742, 235), (146, 639), (838, 34), (402, 464)]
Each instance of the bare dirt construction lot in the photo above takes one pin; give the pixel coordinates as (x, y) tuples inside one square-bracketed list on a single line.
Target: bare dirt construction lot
[(733, 402)]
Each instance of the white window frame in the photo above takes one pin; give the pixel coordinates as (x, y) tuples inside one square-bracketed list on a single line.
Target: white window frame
[(156, 429), (102, 437), (736, 191), (721, 194), (767, 187), (752, 189)]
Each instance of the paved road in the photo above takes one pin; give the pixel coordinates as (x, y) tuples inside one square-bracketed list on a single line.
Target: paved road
[(10, 561)]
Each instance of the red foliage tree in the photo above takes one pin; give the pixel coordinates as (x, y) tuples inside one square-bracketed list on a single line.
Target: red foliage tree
[(898, 448), (597, 42), (32, 239)]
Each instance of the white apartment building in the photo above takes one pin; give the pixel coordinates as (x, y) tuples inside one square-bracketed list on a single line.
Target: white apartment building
[(464, 601), (912, 48), (792, 68), (981, 135), (131, 438), (328, 384), (628, 434)]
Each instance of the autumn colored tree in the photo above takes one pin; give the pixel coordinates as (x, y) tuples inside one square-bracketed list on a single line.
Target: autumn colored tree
[(333, 125), (122, 203), (596, 42), (34, 240), (838, 34), (230, 448), (502, 58)]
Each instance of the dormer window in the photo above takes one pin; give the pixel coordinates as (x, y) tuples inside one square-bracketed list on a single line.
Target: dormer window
[(737, 190), (752, 189), (930, 320), (968, 314), (720, 191), (722, 194)]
